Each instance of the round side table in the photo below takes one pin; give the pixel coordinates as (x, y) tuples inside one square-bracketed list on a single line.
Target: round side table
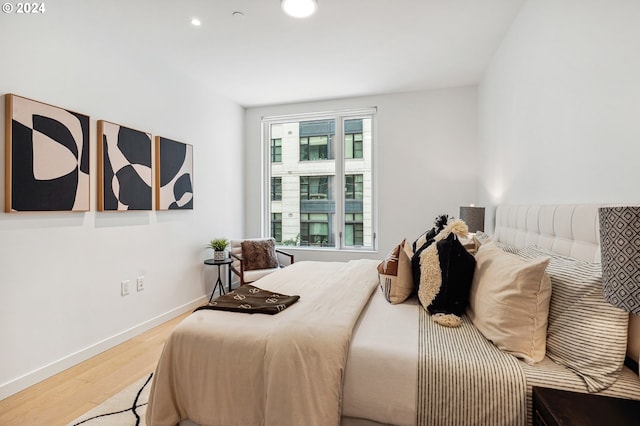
[(219, 263)]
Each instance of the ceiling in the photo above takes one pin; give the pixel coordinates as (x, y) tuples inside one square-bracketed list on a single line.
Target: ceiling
[(348, 48)]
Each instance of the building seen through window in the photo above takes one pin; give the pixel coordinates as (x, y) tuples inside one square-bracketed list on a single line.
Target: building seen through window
[(322, 182)]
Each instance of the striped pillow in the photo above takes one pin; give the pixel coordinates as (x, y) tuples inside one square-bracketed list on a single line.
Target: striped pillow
[(585, 333)]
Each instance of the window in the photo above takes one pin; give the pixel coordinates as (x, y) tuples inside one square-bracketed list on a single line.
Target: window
[(314, 187), (276, 150), (353, 229), (276, 227), (353, 187), (320, 168), (276, 189), (314, 229), (315, 137), (353, 139)]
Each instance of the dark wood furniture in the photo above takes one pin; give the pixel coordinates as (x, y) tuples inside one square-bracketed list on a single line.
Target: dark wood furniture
[(557, 407), (219, 263)]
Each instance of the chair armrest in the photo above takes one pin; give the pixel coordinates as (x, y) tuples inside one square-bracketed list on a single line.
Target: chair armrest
[(284, 253), (240, 271), (236, 256)]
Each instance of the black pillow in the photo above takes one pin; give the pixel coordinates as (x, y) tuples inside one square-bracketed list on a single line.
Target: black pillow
[(424, 241), (457, 266), (446, 271), (426, 236)]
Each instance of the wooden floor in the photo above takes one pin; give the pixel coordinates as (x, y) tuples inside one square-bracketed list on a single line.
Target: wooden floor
[(65, 396)]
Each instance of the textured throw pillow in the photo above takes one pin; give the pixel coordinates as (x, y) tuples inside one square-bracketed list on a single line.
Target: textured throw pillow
[(585, 333), (415, 262), (394, 274), (259, 254), (471, 244), (446, 271), (422, 239), (509, 301), (482, 238)]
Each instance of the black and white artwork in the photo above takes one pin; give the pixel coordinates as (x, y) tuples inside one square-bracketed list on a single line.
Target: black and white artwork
[(174, 175), (124, 168), (47, 157)]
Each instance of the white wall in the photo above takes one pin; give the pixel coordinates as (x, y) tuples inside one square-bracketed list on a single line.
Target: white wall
[(60, 273), (425, 153), (559, 106)]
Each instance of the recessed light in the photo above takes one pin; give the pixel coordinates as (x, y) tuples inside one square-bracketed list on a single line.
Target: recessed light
[(195, 22), (299, 8)]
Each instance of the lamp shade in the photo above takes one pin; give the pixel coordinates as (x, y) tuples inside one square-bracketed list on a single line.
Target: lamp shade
[(473, 217), (620, 244)]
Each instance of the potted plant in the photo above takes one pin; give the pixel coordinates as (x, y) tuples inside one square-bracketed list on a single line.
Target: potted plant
[(219, 245)]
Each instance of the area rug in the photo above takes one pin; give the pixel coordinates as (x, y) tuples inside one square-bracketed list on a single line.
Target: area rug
[(126, 408)]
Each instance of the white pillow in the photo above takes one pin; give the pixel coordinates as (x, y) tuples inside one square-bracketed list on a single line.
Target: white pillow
[(509, 301)]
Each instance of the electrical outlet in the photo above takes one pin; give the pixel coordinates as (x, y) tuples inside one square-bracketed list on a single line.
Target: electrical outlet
[(140, 283), (124, 287)]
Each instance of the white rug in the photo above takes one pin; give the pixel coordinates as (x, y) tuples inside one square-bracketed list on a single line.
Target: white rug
[(127, 408)]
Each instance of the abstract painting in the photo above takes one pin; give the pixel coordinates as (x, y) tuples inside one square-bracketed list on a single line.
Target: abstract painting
[(124, 168), (174, 175), (46, 157)]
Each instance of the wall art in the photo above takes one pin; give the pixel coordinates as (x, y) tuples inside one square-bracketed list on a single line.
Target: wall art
[(174, 175), (46, 157), (124, 168)]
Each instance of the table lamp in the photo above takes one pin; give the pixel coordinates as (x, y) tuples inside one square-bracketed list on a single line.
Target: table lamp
[(620, 244), (473, 217)]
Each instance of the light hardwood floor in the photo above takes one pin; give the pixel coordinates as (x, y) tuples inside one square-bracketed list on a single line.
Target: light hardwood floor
[(60, 399)]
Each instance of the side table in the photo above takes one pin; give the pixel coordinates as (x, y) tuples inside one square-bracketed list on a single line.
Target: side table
[(219, 263), (559, 407)]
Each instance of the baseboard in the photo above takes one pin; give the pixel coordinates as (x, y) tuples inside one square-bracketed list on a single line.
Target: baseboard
[(14, 386)]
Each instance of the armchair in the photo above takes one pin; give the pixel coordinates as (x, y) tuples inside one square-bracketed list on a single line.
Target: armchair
[(254, 258)]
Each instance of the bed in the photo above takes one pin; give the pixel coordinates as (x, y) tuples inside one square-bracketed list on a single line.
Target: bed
[(343, 355)]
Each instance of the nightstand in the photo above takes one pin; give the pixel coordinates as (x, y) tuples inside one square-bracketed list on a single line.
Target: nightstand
[(219, 263), (556, 407)]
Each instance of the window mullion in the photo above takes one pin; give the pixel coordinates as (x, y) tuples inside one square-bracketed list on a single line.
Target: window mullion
[(339, 181)]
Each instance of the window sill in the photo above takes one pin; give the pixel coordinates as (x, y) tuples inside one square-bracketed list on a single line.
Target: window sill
[(328, 249)]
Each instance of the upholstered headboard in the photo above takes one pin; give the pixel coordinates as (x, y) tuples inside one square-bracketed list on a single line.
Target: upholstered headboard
[(570, 230)]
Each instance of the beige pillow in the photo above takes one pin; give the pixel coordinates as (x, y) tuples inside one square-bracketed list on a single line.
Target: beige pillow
[(509, 301), (394, 274)]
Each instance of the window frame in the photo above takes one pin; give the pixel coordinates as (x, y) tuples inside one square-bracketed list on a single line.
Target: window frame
[(339, 156)]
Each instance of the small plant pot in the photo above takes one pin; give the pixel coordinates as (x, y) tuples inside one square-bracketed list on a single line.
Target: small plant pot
[(219, 255)]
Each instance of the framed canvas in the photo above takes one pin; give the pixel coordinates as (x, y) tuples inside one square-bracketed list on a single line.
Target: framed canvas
[(46, 157), (124, 168), (174, 175)]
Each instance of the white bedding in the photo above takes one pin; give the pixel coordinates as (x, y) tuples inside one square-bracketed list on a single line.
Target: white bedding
[(381, 370), (229, 368)]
